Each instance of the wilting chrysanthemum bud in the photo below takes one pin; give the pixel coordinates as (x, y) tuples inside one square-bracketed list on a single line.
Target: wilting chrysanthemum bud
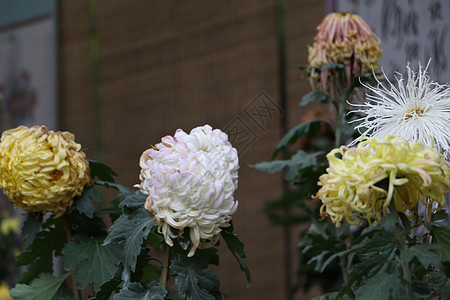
[(190, 180), (346, 39), (42, 170), (362, 181)]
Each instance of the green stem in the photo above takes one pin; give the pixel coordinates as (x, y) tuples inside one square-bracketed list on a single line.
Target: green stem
[(165, 272), (73, 285), (341, 104)]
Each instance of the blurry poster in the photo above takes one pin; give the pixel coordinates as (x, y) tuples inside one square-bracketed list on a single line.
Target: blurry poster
[(28, 70), (410, 31)]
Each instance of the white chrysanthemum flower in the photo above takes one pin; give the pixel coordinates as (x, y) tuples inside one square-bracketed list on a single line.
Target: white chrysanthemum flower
[(190, 180), (417, 111)]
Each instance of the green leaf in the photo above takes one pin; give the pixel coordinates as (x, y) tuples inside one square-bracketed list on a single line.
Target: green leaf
[(378, 287), (44, 287), (133, 199), (133, 232), (85, 203), (298, 161), (30, 228), (332, 66), (92, 262), (424, 253), (308, 129), (439, 215), (192, 280), (441, 235), (237, 249), (88, 226), (276, 209), (440, 283), (104, 293), (101, 171), (210, 254), (137, 291), (316, 95), (39, 255)]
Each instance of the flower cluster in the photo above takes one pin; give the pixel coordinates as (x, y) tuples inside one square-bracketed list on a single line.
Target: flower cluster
[(190, 180), (4, 291), (9, 225), (417, 111), (362, 181), (344, 38), (42, 170)]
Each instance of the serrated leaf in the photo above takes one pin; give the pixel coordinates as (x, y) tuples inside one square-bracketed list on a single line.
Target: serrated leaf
[(441, 235), (92, 262), (439, 215), (85, 203), (30, 228), (101, 171), (440, 283), (192, 280), (133, 232), (237, 249), (39, 255), (309, 129), (234, 244), (44, 287), (132, 199), (104, 293), (316, 95), (424, 254), (137, 291), (378, 287), (298, 161)]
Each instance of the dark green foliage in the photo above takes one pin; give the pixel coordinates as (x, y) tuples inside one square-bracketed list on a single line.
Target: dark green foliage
[(92, 262), (30, 228), (237, 249), (85, 203), (43, 287), (39, 255), (316, 95), (137, 291), (192, 280), (132, 232), (101, 171)]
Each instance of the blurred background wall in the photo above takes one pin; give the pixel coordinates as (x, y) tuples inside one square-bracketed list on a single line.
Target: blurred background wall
[(163, 65)]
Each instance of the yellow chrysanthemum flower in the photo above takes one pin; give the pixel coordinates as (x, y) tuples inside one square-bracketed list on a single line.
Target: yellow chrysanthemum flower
[(9, 225), (362, 181), (4, 291), (42, 170)]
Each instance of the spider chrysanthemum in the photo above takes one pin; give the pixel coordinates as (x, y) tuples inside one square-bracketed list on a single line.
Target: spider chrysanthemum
[(418, 111)]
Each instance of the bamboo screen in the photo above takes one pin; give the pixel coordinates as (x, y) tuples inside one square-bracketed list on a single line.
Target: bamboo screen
[(164, 65)]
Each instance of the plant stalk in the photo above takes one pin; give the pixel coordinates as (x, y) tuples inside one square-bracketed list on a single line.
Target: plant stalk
[(428, 211), (401, 244), (165, 272), (72, 279)]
